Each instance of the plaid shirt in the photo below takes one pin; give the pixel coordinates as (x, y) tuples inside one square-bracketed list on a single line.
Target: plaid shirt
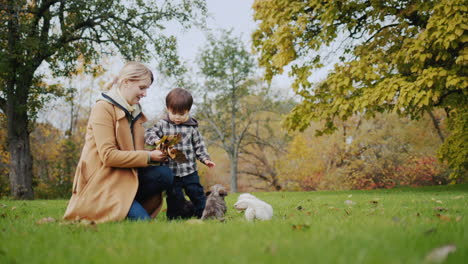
[(192, 144)]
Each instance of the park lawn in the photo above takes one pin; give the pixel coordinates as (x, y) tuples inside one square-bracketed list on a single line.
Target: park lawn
[(380, 226)]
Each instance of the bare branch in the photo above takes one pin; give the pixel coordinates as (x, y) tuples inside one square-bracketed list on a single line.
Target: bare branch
[(435, 122), (39, 13), (213, 125), (240, 138), (256, 174), (380, 30)]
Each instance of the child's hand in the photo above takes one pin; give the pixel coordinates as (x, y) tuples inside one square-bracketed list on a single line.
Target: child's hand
[(210, 164)]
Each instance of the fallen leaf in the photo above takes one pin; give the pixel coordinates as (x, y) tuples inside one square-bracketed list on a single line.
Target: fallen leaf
[(300, 227), (45, 220), (443, 217), (438, 201), (458, 218), (13, 208), (374, 202), (438, 255), (349, 202), (349, 196), (458, 197)]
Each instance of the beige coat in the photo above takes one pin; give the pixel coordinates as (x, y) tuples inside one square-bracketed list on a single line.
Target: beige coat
[(106, 180)]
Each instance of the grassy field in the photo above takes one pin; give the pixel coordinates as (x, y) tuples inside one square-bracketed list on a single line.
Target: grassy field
[(381, 226)]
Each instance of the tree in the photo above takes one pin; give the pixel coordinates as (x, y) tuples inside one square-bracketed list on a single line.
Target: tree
[(408, 57), (4, 158), (266, 144), (381, 152), (227, 68), (56, 33)]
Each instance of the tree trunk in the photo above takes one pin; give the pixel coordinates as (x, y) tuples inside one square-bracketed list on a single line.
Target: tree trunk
[(20, 152), (18, 137), (234, 173), (234, 142), (18, 84)]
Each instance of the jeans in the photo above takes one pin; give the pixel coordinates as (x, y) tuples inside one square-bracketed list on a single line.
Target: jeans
[(137, 212), (151, 181), (194, 190)]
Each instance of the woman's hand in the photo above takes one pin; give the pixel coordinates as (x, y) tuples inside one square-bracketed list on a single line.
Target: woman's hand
[(158, 155)]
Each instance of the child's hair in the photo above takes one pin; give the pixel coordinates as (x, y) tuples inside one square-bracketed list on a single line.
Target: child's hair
[(132, 71), (179, 100)]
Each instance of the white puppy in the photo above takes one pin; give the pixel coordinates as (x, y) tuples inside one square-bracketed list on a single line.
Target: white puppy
[(254, 207)]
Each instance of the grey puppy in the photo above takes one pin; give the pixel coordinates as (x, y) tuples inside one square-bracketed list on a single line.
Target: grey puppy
[(215, 205)]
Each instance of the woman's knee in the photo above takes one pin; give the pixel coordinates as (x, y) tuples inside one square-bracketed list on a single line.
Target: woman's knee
[(166, 178)]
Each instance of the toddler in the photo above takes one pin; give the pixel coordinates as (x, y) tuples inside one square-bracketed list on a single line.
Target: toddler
[(178, 121)]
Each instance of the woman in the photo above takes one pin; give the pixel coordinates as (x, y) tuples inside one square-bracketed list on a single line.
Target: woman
[(113, 179)]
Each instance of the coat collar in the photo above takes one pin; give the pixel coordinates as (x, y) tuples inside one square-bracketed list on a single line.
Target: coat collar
[(114, 97)]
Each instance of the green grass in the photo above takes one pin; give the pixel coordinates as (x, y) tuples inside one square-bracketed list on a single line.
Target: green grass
[(383, 226)]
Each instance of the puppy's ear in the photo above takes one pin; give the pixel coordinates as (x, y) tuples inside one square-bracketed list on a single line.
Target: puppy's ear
[(207, 193), (223, 193)]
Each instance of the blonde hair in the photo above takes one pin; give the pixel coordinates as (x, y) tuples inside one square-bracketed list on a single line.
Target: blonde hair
[(132, 71)]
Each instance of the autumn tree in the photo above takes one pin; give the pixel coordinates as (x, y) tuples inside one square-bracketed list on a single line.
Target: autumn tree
[(408, 57), (380, 152), (266, 142), (56, 33)]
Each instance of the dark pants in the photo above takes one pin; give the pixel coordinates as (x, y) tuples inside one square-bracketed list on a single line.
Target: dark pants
[(151, 181), (194, 190)]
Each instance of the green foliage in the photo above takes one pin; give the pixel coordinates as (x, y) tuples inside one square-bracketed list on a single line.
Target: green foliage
[(383, 226), (227, 67), (457, 157), (406, 57)]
